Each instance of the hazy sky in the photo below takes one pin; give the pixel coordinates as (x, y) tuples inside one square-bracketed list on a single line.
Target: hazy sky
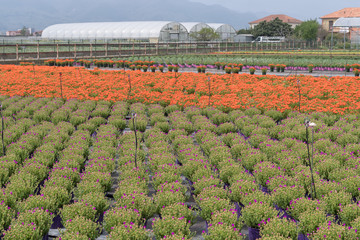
[(301, 9)]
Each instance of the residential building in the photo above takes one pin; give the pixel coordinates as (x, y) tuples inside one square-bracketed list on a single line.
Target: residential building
[(329, 19), (286, 19)]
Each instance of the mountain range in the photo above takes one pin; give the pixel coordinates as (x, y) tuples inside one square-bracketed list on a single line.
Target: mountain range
[(39, 14)]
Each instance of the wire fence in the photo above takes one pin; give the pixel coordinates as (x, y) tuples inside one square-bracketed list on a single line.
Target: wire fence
[(36, 49)]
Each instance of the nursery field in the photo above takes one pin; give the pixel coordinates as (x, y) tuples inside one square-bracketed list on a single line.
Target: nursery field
[(114, 154), (97, 169), (226, 91)]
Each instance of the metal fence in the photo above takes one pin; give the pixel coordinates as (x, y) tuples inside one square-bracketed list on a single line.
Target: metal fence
[(22, 50)]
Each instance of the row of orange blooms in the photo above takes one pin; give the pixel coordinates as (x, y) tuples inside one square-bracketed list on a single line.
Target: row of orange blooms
[(239, 91)]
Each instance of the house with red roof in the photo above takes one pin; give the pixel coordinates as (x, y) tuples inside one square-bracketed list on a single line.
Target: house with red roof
[(286, 19), (329, 19)]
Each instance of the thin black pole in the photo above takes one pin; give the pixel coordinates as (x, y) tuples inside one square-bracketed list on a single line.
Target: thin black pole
[(312, 162), (308, 150)]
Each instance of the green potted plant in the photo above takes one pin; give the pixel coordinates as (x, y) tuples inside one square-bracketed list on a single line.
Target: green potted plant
[(176, 68), (153, 68), (228, 70), (356, 72), (161, 68), (272, 67), (282, 67), (310, 68), (236, 70), (252, 70), (277, 66), (170, 68), (347, 67), (145, 68), (263, 71)]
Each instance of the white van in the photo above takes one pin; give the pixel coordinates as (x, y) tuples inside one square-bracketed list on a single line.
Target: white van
[(269, 39)]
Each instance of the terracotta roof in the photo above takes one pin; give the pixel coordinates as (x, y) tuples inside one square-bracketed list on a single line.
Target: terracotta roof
[(282, 17), (345, 12)]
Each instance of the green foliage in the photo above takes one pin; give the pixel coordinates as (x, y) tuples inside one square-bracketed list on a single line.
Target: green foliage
[(307, 30), (205, 34), (274, 27)]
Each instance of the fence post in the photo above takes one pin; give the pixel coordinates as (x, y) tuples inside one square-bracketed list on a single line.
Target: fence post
[(17, 52), (57, 51), (106, 49), (38, 51)]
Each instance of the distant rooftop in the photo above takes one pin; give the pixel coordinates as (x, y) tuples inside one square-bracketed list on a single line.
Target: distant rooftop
[(282, 17), (345, 13)]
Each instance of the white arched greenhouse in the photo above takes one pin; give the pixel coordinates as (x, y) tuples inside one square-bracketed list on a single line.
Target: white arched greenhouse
[(193, 27), (146, 31), (151, 31), (226, 31)]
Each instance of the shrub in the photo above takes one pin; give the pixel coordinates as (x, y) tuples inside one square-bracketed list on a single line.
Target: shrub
[(226, 217), (351, 185), (334, 200), (212, 204), (263, 171), (139, 201), (165, 198), (252, 157), (178, 210), (6, 215), (332, 230), (129, 232), (86, 187), (212, 191), (60, 195), (97, 200), (170, 225), (301, 205), (277, 226), (83, 226), (202, 183), (121, 215), (349, 213), (283, 195), (310, 220), (21, 230), (255, 213), (240, 188), (78, 209), (40, 217), (218, 231)]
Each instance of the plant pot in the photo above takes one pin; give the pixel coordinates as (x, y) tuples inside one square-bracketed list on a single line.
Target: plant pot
[(302, 237), (254, 233)]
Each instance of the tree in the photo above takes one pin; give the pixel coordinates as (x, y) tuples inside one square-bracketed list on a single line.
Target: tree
[(274, 27), (307, 30), (205, 34), (24, 31), (244, 31)]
